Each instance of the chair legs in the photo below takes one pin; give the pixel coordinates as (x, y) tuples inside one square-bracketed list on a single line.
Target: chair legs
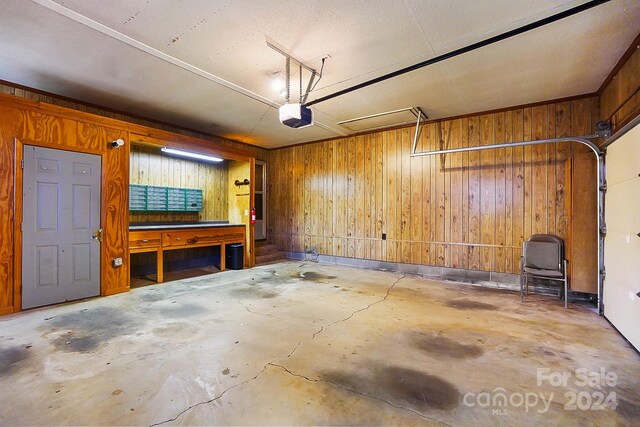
[(523, 279), (566, 285), (524, 288)]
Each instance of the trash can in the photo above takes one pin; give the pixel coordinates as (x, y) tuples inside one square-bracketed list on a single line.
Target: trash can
[(234, 256)]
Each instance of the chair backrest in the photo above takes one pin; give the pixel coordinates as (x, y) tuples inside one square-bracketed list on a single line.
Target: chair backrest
[(544, 251)]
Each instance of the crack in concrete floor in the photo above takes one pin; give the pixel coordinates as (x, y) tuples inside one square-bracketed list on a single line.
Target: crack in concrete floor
[(259, 314), (270, 363), (206, 402)]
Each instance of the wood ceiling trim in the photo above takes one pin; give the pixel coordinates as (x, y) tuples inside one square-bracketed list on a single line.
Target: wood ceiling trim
[(623, 60)]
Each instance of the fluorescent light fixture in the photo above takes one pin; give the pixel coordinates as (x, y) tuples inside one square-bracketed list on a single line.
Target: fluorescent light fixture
[(190, 154)]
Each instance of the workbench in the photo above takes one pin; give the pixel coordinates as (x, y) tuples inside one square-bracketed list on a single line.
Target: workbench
[(158, 238)]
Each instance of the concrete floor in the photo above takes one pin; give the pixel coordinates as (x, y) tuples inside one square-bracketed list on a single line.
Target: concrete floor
[(300, 343)]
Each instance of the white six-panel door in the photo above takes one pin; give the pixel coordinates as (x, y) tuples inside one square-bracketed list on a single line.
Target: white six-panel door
[(61, 211)]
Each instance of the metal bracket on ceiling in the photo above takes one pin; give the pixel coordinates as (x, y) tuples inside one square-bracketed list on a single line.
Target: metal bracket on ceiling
[(416, 111), (301, 65), (420, 118)]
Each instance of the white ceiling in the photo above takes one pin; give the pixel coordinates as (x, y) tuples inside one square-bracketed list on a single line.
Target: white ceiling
[(205, 64)]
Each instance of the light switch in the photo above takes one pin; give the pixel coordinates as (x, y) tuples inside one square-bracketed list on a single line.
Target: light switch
[(246, 212), (627, 238)]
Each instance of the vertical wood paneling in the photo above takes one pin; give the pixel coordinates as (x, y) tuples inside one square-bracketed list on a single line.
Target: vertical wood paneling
[(518, 189), (620, 98), (379, 196), (415, 176), (467, 210), (150, 167), (488, 192), (464, 142), (501, 189), (359, 198), (508, 192), (539, 169), (456, 194), (405, 201), (474, 194)]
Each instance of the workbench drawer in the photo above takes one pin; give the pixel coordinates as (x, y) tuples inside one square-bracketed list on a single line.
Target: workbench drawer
[(190, 237), (144, 239), (232, 237)]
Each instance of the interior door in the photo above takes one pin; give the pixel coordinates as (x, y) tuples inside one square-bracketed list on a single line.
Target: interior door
[(61, 211), (260, 229), (621, 293)]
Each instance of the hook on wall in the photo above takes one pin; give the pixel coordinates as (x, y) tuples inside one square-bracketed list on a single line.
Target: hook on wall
[(239, 183)]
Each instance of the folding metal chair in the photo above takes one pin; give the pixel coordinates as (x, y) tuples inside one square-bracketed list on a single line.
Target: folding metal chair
[(543, 258)]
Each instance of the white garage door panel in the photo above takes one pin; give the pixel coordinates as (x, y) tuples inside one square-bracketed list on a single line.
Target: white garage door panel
[(622, 243), (621, 304), (623, 158), (623, 207)]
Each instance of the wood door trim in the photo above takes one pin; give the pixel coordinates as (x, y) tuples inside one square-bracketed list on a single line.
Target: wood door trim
[(18, 147)]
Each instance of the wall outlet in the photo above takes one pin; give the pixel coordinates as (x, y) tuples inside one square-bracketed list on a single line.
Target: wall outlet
[(384, 236), (117, 262)]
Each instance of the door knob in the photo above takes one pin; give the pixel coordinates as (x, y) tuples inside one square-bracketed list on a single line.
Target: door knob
[(97, 235)]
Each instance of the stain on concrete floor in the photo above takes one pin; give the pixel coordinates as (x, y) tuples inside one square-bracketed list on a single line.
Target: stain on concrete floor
[(444, 347), (313, 276), (465, 304), (85, 330), (267, 346), (11, 359), (404, 386)]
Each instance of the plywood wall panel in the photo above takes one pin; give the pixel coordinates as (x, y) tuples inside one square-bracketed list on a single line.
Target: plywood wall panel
[(27, 124), (466, 210), (115, 206), (7, 159)]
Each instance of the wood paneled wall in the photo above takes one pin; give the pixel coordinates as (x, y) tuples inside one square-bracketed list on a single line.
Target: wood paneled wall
[(24, 119), (240, 201), (620, 98), (26, 123), (465, 210), (150, 167)]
